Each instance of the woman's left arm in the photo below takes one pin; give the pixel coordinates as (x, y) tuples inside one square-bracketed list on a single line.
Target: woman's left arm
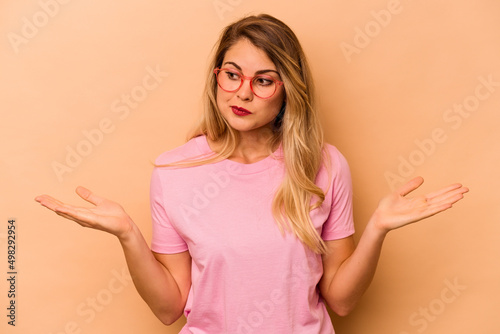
[(348, 270)]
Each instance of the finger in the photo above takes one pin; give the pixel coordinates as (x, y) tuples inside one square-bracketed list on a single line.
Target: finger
[(73, 218), (82, 216), (444, 204), (410, 186), (88, 195), (450, 188), (450, 195), (49, 202)]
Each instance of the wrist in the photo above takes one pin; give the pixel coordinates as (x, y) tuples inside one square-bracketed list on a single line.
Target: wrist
[(376, 226), (129, 234)]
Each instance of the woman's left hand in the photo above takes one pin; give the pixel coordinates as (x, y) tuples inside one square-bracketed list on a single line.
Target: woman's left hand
[(397, 210)]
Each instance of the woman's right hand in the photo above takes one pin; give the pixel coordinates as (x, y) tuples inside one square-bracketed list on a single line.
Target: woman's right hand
[(106, 215)]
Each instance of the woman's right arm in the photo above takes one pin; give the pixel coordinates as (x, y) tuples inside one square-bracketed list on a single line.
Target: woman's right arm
[(162, 280)]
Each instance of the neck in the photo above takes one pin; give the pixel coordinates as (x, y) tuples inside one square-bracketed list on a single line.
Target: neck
[(251, 146)]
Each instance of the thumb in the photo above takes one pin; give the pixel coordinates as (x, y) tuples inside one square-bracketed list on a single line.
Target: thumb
[(410, 186), (88, 195)]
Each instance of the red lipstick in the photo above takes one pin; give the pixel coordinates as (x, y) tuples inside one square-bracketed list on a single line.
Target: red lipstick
[(240, 111)]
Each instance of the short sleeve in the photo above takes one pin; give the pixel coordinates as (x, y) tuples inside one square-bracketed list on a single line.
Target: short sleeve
[(165, 238), (340, 222)]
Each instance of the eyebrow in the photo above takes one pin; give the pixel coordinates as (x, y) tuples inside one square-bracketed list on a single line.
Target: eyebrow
[(256, 73)]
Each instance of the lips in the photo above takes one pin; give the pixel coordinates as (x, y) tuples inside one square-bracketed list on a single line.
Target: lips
[(240, 111)]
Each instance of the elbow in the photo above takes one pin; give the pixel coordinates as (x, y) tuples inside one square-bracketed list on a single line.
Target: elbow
[(168, 318), (342, 309), (168, 321), (342, 305)]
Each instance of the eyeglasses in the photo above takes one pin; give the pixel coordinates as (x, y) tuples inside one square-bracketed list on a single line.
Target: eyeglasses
[(263, 86)]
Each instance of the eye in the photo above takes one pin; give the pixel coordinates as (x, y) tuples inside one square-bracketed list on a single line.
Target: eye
[(232, 75), (263, 81)]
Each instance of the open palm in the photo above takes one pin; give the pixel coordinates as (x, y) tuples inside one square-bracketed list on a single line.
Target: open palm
[(397, 210), (106, 215)]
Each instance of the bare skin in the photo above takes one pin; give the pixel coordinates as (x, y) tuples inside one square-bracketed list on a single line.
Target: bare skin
[(253, 130), (164, 280), (349, 270)]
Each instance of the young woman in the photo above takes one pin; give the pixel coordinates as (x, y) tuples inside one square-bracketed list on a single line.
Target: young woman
[(252, 217)]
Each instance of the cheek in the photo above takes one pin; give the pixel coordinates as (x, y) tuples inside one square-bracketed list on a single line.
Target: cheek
[(221, 97), (277, 103)]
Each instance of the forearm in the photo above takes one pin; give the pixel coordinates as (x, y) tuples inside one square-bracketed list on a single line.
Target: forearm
[(343, 290), (158, 286), (347, 276), (152, 280)]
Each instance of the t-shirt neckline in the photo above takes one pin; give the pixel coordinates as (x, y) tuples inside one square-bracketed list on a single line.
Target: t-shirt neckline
[(239, 167)]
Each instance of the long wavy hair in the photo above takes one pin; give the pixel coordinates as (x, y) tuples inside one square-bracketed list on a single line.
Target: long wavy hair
[(296, 127)]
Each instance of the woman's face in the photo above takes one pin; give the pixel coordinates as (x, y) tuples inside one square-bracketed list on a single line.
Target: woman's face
[(250, 61)]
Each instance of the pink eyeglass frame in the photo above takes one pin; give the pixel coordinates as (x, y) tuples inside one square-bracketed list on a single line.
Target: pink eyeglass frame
[(243, 78)]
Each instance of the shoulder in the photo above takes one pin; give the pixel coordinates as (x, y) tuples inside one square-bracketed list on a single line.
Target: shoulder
[(331, 149), (335, 157), (334, 169), (192, 148)]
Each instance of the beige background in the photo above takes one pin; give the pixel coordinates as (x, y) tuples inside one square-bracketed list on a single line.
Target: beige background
[(391, 76)]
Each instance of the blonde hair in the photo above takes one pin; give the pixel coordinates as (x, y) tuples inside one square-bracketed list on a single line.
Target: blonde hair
[(297, 126)]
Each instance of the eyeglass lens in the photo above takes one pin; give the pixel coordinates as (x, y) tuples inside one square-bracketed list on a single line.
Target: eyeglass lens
[(262, 85)]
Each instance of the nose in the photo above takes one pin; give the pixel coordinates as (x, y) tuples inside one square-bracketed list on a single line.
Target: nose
[(245, 92)]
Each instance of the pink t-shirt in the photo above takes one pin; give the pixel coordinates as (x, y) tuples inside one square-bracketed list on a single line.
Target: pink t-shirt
[(246, 276)]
